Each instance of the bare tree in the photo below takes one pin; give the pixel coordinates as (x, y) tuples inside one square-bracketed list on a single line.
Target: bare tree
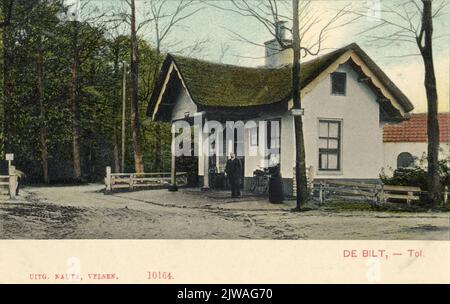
[(116, 46), (159, 17), (224, 49), (163, 16), (307, 40), (411, 22), (134, 68), (118, 40)]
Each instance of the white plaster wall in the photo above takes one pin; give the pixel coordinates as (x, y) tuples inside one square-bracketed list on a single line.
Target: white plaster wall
[(417, 149), (183, 104), (361, 137)]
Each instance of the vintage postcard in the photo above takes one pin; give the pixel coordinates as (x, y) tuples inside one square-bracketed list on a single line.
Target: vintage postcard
[(225, 141)]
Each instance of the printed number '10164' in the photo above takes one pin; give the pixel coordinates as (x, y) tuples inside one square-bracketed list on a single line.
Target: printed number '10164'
[(159, 275)]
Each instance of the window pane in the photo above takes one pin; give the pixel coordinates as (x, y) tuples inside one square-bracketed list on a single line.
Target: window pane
[(334, 130), (254, 136), (333, 162), (333, 144), (275, 143), (323, 129), (323, 161), (323, 144)]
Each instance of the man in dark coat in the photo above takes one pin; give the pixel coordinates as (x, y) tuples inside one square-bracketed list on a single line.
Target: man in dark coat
[(233, 171)]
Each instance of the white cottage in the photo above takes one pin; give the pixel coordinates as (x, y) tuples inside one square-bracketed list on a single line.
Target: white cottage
[(347, 100)]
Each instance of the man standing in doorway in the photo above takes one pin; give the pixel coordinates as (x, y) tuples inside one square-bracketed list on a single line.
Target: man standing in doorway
[(233, 172)]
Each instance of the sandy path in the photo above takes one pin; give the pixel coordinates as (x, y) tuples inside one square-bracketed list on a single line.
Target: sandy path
[(84, 212)]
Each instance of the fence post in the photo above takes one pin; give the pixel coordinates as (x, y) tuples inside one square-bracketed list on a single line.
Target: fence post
[(321, 196), (379, 194), (311, 180), (131, 182), (108, 180), (382, 197), (12, 182), (408, 201)]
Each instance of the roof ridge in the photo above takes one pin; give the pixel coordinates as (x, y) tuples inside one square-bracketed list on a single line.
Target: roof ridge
[(350, 46)]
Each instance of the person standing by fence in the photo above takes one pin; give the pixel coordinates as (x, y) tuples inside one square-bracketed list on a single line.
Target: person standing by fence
[(233, 171)]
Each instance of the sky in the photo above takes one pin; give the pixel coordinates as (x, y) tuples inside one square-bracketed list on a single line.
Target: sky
[(217, 30)]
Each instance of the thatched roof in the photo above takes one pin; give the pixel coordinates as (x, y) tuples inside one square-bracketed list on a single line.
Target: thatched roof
[(228, 86)]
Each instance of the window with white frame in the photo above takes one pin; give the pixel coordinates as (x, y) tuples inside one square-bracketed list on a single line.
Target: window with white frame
[(329, 145)]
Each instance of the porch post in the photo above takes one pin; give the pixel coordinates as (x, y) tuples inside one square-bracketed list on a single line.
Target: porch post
[(206, 147), (108, 180), (173, 170)]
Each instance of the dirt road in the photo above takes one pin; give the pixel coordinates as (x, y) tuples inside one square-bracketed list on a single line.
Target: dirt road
[(84, 212)]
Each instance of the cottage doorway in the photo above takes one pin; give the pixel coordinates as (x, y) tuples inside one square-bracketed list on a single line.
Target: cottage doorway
[(189, 164), (236, 145)]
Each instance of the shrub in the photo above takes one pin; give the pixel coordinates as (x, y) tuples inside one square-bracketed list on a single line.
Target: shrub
[(416, 176)]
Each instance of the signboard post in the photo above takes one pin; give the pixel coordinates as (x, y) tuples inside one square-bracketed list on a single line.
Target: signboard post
[(9, 157), (298, 112)]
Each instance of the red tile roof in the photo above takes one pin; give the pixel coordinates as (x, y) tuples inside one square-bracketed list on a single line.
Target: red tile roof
[(415, 129)]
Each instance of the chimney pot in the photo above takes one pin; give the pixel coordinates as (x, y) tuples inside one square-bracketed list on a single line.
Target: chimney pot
[(280, 30)]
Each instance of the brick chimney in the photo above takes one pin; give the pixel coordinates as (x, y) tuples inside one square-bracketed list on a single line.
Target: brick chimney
[(276, 56)]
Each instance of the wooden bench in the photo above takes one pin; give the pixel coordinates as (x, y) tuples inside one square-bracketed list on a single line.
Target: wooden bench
[(404, 193)]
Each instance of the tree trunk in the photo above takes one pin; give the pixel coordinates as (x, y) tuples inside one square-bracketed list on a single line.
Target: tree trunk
[(117, 112), (158, 135), (75, 105), (6, 36), (300, 166), (135, 123), (42, 116), (434, 187), (116, 153)]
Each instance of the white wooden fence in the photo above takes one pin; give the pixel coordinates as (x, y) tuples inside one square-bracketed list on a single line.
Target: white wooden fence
[(374, 193), (327, 190), (134, 181), (8, 183)]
